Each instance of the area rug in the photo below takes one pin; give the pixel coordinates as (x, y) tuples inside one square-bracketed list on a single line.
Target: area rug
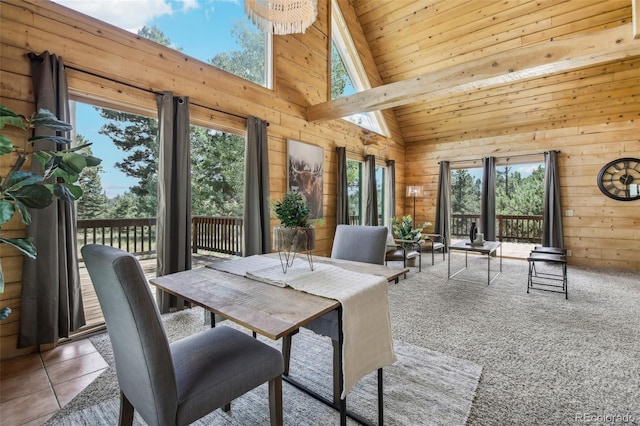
[(423, 387)]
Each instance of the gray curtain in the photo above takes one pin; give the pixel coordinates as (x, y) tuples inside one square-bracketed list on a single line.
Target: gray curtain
[(173, 227), (391, 170), (443, 205), (257, 224), (342, 195), (51, 302), (552, 230), (488, 202), (371, 197)]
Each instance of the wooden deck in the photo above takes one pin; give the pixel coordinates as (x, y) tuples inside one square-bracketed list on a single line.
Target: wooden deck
[(93, 313)]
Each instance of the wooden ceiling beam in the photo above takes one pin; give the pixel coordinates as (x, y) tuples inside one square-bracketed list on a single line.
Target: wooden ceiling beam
[(505, 68)]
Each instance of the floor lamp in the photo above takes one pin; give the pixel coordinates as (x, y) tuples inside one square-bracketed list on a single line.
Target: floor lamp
[(414, 191)]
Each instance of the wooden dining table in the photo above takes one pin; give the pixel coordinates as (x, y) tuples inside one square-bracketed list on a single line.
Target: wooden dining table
[(269, 310)]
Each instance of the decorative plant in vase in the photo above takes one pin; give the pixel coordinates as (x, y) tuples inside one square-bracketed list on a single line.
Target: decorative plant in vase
[(296, 234), (24, 189), (404, 230)]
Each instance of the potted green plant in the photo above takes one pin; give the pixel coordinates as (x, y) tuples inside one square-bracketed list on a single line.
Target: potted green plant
[(24, 189), (409, 235), (404, 229), (296, 232)]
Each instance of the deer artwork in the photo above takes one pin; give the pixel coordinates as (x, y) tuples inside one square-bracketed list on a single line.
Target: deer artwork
[(309, 184)]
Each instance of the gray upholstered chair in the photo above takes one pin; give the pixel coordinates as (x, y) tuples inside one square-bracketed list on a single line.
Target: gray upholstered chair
[(358, 243), (180, 382)]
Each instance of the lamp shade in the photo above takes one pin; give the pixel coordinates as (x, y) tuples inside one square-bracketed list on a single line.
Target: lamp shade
[(282, 17), (415, 191)]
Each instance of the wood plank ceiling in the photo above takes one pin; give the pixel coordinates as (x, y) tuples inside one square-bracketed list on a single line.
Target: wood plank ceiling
[(423, 39)]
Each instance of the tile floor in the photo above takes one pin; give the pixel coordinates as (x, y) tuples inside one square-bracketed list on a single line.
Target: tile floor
[(34, 387)]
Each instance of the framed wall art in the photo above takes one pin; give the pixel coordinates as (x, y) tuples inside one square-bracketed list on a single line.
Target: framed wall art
[(304, 174)]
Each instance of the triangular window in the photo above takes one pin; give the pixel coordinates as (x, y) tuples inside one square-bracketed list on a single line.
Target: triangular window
[(348, 75)]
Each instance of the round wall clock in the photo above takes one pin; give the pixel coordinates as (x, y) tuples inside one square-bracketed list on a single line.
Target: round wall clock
[(620, 179)]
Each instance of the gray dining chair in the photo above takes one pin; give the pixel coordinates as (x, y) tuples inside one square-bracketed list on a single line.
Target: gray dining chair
[(366, 244), (180, 382)]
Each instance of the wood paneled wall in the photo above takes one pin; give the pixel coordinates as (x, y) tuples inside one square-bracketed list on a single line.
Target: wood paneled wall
[(601, 232), (301, 76)]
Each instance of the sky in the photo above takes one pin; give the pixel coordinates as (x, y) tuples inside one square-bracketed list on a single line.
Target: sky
[(200, 27)]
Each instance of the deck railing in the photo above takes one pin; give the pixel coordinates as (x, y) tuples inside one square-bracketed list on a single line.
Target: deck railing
[(138, 236), (217, 234), (354, 219), (509, 228), (224, 234), (520, 229)]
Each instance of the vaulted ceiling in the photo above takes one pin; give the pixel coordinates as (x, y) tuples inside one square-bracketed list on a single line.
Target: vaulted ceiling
[(457, 69)]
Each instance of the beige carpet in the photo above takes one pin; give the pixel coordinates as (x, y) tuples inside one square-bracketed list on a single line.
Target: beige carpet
[(545, 360)]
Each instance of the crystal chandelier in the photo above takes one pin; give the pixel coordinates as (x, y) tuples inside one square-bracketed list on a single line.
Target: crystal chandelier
[(282, 17)]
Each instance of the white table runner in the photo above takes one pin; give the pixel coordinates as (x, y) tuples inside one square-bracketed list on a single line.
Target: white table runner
[(366, 321)]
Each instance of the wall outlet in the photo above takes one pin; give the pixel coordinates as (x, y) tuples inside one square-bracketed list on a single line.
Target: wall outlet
[(568, 212), (568, 252)]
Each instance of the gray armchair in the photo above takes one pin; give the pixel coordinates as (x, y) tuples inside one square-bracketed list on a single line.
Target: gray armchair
[(180, 382), (358, 243), (433, 243), (404, 250)]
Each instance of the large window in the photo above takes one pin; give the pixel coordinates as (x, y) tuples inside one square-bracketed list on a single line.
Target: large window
[(348, 75), (466, 188), (215, 32), (125, 184), (217, 173), (381, 194), (519, 192), (355, 188), (520, 189)]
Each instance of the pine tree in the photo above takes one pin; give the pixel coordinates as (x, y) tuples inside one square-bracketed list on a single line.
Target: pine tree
[(339, 74), (93, 203), (465, 192), (217, 173)]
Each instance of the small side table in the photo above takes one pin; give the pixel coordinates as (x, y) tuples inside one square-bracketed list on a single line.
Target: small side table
[(488, 248), (545, 280)]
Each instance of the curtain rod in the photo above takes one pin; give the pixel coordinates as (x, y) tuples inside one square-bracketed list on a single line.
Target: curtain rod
[(113, 80), (505, 156)]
